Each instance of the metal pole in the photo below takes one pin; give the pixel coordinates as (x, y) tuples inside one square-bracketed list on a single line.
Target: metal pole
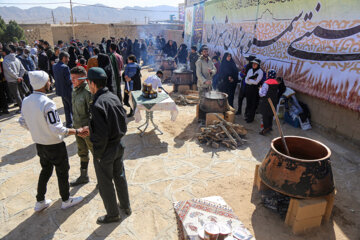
[(72, 20), (52, 13)]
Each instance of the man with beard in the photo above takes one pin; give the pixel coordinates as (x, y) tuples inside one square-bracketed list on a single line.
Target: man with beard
[(205, 71)]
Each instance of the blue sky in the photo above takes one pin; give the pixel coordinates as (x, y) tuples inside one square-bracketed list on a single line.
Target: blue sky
[(65, 3)]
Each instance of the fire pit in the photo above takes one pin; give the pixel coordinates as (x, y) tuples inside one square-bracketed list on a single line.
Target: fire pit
[(305, 174)]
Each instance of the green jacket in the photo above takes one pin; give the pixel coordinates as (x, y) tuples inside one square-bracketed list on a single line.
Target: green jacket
[(81, 98)]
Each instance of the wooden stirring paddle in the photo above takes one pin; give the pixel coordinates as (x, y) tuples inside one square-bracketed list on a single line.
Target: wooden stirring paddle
[(279, 127)]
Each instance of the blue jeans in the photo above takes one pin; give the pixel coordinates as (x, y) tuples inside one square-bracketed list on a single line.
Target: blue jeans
[(68, 111)]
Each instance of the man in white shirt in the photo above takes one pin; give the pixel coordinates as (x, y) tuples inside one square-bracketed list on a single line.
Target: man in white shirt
[(155, 80), (40, 116)]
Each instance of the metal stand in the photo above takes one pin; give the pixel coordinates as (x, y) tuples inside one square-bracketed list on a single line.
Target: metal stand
[(149, 117)]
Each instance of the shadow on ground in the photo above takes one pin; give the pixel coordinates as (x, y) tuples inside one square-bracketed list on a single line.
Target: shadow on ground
[(29, 152), (187, 134), (44, 225), (137, 147)]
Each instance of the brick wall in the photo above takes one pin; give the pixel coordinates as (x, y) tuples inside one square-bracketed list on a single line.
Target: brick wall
[(35, 32)]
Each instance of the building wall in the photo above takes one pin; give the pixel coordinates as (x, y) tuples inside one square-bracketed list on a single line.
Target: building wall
[(35, 32), (333, 119), (61, 33), (175, 35), (95, 32)]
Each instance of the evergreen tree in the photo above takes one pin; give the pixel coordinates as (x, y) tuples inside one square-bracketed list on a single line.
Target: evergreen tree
[(10, 32)]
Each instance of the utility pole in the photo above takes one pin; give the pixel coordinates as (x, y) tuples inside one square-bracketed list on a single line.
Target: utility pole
[(72, 20), (52, 13)]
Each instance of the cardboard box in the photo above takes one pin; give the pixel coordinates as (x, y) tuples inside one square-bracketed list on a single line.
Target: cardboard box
[(230, 116)]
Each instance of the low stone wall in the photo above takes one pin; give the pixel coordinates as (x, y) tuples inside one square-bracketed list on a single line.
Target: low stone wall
[(333, 119)]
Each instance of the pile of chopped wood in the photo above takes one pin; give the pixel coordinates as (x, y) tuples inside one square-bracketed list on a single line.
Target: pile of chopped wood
[(184, 100), (222, 133)]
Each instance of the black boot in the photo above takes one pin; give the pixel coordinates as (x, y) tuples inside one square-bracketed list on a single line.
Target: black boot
[(83, 179)]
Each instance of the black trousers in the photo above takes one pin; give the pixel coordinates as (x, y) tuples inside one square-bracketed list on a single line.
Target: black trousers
[(241, 98), (50, 156), (110, 171), (267, 120), (252, 93), (231, 94), (3, 100)]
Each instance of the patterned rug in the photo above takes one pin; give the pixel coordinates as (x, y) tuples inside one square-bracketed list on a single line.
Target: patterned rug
[(193, 214)]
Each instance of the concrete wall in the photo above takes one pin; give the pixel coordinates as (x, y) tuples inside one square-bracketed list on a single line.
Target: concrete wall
[(333, 119)]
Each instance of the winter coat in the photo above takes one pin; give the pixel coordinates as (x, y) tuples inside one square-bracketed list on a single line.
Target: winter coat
[(268, 90), (81, 98), (227, 69), (13, 69), (104, 63), (43, 62), (62, 77), (202, 71)]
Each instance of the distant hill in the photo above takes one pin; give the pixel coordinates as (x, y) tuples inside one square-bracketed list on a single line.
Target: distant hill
[(94, 14)]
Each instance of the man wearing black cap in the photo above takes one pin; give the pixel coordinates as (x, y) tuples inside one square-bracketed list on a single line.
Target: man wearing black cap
[(107, 127)]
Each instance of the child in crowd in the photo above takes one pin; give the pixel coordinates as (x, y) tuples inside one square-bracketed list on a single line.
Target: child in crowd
[(216, 62), (268, 90), (82, 63)]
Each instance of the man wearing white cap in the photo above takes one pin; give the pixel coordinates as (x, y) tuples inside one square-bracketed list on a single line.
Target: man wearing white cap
[(39, 115)]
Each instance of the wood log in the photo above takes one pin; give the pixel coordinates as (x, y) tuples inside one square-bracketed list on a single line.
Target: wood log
[(215, 145), (228, 134), (238, 138), (226, 144)]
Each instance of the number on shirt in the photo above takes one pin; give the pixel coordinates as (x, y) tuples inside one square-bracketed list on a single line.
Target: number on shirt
[(53, 117)]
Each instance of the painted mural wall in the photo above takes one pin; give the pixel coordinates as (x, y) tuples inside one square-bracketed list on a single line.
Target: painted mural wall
[(313, 44)]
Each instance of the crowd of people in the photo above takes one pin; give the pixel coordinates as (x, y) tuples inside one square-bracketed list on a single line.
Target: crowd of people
[(88, 79), (223, 75)]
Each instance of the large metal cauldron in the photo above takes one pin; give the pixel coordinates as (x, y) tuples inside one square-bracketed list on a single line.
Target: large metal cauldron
[(306, 174), (213, 102), (182, 77), (168, 64)]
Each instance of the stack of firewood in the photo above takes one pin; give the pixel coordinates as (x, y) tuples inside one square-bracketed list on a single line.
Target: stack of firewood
[(185, 100), (222, 133)]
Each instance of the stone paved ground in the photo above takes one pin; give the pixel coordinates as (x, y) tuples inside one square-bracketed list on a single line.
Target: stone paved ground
[(162, 169)]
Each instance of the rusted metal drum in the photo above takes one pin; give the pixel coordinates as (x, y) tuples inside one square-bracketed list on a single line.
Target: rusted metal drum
[(168, 64), (182, 77), (306, 174)]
